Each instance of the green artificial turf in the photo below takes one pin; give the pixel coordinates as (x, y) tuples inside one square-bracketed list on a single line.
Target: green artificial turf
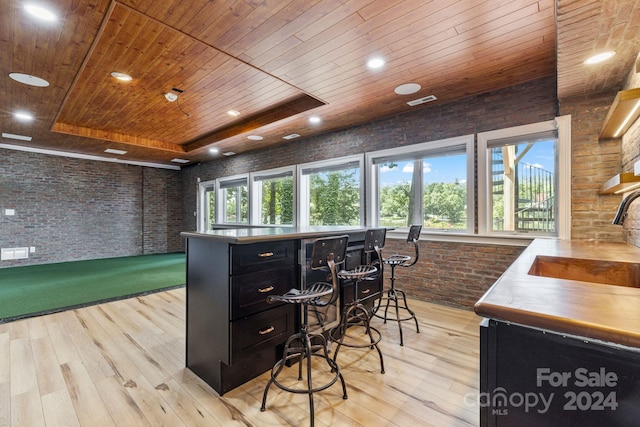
[(37, 289)]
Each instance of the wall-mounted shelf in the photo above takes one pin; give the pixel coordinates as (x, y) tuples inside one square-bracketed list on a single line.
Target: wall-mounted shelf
[(620, 183), (623, 112)]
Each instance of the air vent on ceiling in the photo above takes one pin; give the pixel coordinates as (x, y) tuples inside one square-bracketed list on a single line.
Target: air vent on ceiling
[(422, 100), (293, 135)]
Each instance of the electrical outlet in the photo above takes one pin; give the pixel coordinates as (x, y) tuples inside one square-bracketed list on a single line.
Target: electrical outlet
[(32, 249)]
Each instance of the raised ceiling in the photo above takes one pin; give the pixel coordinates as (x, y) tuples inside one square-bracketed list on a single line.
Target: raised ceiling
[(278, 63)]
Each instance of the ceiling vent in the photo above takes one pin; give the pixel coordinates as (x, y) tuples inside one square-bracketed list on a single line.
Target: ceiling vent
[(423, 100), (293, 135)]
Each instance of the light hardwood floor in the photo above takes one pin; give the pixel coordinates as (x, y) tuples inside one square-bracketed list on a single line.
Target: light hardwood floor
[(122, 364)]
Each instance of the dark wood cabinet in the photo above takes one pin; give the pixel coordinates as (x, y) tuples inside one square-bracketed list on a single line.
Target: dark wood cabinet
[(233, 334), (533, 377)]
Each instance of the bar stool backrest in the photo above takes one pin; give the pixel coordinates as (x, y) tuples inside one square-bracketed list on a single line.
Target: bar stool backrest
[(414, 235), (374, 240), (327, 253)]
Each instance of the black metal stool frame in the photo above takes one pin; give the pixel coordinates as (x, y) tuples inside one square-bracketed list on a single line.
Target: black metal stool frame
[(357, 314), (327, 253), (394, 294)]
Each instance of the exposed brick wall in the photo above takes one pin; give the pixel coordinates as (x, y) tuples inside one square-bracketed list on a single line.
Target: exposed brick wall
[(593, 163), (162, 211), (73, 209), (451, 273), (455, 274), (630, 155)]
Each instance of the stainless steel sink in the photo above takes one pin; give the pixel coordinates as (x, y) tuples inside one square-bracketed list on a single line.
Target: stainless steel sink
[(587, 270)]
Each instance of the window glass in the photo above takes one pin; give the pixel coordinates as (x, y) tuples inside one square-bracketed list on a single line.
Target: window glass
[(273, 193), (331, 193), (425, 183), (235, 201), (444, 195), (523, 186)]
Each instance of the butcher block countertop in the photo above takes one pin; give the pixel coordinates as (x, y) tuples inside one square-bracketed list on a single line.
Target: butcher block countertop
[(566, 287)]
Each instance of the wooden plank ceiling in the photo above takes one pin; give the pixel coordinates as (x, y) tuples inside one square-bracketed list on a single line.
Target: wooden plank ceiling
[(277, 62)]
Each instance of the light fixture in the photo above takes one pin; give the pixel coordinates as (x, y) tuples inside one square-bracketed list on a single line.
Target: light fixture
[(23, 116), (29, 79), (407, 89), (233, 113), (14, 136), (228, 153), (179, 160), (600, 57), (315, 120), (623, 113), (115, 151), (171, 97), (214, 150), (40, 12), (255, 137), (121, 76), (375, 63)]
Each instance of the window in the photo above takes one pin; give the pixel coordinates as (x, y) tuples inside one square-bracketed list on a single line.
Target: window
[(233, 200), (273, 197), (207, 205), (429, 184), (520, 178), (331, 192)]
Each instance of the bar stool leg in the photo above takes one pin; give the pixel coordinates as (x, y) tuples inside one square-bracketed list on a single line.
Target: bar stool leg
[(392, 298)]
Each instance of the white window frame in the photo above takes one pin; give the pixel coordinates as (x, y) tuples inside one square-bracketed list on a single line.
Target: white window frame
[(201, 211), (221, 201), (302, 187), (563, 126), (255, 206), (421, 149)]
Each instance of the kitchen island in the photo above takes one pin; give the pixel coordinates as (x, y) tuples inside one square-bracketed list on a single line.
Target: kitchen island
[(233, 334), (560, 339)]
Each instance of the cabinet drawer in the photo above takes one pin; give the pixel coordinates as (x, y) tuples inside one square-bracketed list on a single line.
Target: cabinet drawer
[(249, 291), (261, 256), (366, 289), (265, 329)]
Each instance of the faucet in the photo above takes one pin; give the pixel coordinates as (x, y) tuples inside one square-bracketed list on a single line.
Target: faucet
[(621, 215)]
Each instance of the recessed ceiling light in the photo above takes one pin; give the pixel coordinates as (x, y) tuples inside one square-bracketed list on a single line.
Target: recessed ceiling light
[(214, 150), (180, 161), (115, 151), (234, 113), (29, 80), (18, 137), (23, 116), (375, 63), (228, 153), (315, 120), (255, 137), (600, 57), (407, 88), (40, 12), (121, 76)]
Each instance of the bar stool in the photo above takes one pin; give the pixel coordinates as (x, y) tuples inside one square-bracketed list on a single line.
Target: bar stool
[(356, 314), (394, 294), (327, 253)]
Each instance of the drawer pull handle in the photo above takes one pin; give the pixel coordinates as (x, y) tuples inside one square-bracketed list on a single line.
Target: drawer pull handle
[(265, 254), (263, 290), (267, 331), (366, 291)]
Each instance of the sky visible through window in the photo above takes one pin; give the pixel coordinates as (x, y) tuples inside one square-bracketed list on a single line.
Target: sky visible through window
[(448, 169)]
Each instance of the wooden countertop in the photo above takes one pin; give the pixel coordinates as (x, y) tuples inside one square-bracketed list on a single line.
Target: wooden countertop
[(244, 235), (593, 310)]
